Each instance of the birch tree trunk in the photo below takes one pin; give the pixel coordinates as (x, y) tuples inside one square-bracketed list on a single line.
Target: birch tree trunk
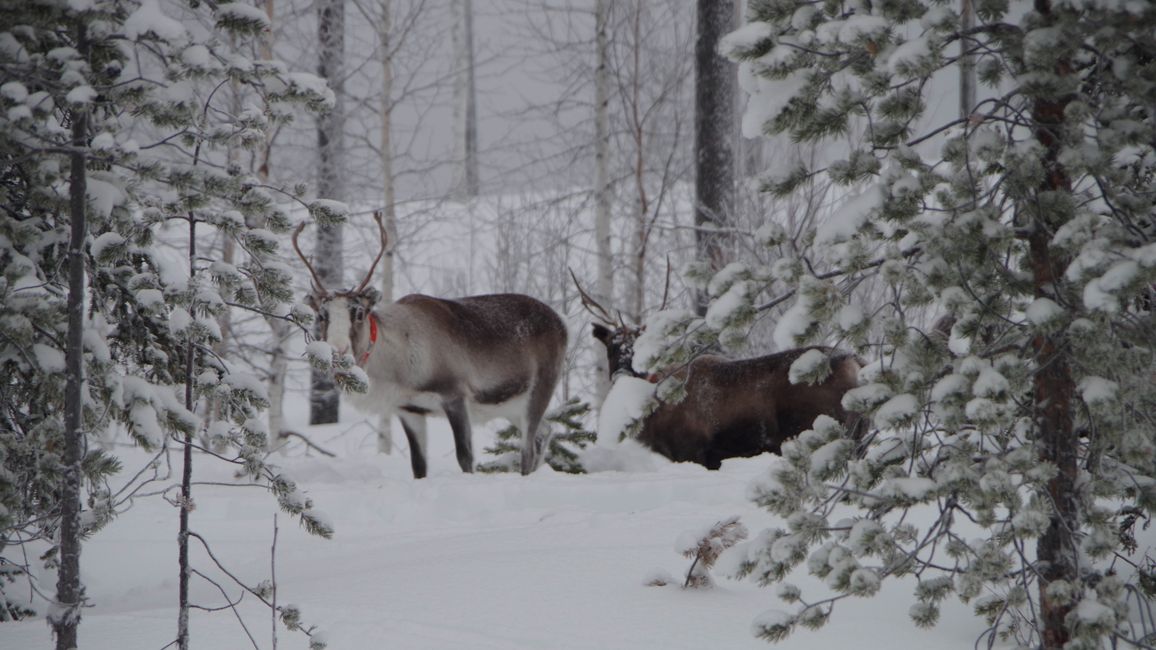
[(714, 115), (749, 161), (280, 329), (325, 400), (385, 426), (466, 183), (604, 291), (228, 256), (69, 591), (642, 204)]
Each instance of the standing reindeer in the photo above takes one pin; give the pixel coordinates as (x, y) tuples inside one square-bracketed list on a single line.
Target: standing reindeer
[(732, 408), (474, 358)]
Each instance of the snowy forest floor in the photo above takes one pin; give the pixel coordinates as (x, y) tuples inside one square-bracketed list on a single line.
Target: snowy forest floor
[(460, 561)]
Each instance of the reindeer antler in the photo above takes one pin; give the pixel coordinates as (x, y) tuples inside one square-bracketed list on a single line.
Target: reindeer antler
[(596, 310), (318, 286), (384, 243), (666, 286)]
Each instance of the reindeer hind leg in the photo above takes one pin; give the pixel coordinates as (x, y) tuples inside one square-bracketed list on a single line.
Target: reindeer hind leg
[(414, 426), (534, 448), (459, 418)]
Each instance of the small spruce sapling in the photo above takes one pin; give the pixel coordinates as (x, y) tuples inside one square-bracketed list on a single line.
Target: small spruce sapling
[(562, 446)]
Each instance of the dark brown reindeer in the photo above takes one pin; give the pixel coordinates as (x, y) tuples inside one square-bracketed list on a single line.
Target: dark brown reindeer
[(472, 359), (732, 408)]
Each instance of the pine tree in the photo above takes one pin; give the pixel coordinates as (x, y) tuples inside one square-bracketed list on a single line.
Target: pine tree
[(1027, 225), (123, 97)]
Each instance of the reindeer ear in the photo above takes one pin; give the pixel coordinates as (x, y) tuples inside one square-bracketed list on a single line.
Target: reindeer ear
[(601, 332), (369, 297)]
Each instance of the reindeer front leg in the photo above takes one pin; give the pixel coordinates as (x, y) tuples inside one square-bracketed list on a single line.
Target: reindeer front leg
[(459, 418)]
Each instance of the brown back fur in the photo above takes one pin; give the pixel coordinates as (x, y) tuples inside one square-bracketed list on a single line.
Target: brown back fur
[(744, 408)]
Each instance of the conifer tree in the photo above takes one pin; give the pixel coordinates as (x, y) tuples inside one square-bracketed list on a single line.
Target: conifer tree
[(564, 444), (1013, 444), (125, 98)]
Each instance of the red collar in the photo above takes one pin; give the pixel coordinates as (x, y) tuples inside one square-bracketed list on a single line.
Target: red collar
[(372, 340)]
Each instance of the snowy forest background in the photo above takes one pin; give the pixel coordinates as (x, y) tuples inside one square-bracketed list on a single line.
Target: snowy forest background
[(961, 193)]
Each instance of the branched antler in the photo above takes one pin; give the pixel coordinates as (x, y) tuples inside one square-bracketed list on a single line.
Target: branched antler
[(593, 306), (666, 286), (384, 243), (318, 286)]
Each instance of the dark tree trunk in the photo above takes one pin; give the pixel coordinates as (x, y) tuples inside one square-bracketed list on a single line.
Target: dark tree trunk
[(966, 60), (186, 502), (714, 110), (324, 399), (69, 591), (1054, 388)]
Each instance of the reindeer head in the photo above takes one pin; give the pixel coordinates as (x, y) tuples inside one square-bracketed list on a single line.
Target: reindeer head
[(613, 332), (619, 342), (345, 318)]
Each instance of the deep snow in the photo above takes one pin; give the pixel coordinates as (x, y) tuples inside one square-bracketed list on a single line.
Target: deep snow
[(461, 561)]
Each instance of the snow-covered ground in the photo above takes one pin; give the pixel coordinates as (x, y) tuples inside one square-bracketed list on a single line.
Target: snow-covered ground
[(456, 561)]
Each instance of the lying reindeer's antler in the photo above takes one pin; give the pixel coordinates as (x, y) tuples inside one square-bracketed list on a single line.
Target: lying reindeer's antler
[(594, 307), (666, 286), (318, 286), (384, 243)]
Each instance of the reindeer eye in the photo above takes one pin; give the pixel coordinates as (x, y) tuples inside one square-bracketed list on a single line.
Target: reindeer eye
[(323, 314)]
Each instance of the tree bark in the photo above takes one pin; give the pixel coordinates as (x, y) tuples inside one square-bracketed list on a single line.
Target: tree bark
[(748, 151), (280, 329), (642, 204), (714, 110), (278, 369), (604, 290), (466, 183), (69, 591), (385, 426), (1054, 387), (966, 61), (186, 500), (325, 400)]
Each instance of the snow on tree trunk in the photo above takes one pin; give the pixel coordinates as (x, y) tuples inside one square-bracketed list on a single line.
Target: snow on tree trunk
[(465, 101), (604, 290), (328, 260), (69, 591), (714, 109)]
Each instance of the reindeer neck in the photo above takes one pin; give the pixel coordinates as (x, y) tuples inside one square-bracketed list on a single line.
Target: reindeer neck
[(373, 335)]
